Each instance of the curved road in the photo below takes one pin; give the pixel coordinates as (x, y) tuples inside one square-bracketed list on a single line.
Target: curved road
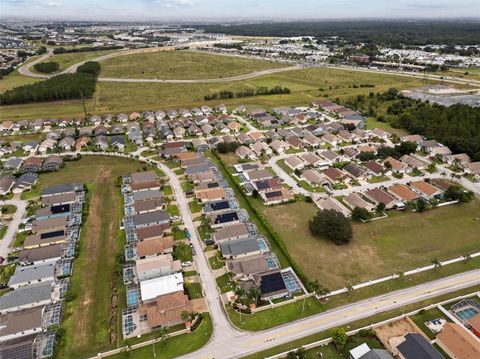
[(12, 229), (25, 70), (230, 342)]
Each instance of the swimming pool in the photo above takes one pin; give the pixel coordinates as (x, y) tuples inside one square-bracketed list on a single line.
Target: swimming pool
[(262, 244), (467, 313)]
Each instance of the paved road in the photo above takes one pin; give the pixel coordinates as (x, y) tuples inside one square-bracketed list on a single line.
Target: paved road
[(222, 326), (9, 237), (226, 345), (25, 70)]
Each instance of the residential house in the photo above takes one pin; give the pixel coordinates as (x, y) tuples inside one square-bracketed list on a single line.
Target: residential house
[(279, 146), (228, 233), (457, 342), (260, 148), (244, 153), (294, 162), (413, 162), (276, 196), (334, 175), (157, 266), (238, 248), (32, 164), (378, 195), (355, 171), (313, 178), (426, 190), (330, 139), (333, 204), (354, 200), (101, 142), (396, 165), (473, 168), (6, 184), (165, 310), (52, 163), (403, 193), (66, 143)]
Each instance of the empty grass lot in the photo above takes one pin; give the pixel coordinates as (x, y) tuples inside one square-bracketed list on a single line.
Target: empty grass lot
[(128, 97), (403, 241), (88, 318), (182, 65)]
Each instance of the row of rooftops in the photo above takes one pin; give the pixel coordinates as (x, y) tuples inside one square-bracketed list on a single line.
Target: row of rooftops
[(150, 267), (247, 254), (35, 301)]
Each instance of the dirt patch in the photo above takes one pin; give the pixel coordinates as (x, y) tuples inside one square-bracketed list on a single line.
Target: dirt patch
[(391, 334)]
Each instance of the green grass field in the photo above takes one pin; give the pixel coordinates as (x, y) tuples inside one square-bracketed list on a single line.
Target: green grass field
[(87, 318), (129, 97), (403, 241), (182, 65), (66, 60)]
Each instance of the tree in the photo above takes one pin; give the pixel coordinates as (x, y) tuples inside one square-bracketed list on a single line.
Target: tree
[(255, 193), (361, 214), (332, 225), (421, 205), (381, 207), (339, 337), (456, 192)]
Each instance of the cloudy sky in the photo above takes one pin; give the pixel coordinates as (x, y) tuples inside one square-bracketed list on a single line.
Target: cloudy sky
[(231, 10)]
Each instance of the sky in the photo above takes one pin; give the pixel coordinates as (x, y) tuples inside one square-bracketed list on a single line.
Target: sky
[(235, 10)]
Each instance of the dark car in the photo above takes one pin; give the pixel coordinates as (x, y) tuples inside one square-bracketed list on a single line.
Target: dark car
[(209, 242)]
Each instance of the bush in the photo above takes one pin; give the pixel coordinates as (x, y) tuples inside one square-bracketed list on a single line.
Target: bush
[(46, 67), (361, 214)]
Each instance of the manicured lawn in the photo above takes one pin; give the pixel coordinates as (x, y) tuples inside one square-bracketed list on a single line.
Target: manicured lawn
[(378, 179), (421, 318), (190, 273), (225, 283), (90, 319), (167, 190), (129, 97), (403, 241), (181, 65), (194, 206), (178, 234), (194, 290), (176, 346), (8, 209), (182, 252), (374, 123), (172, 210), (273, 317), (216, 262), (3, 230), (326, 352)]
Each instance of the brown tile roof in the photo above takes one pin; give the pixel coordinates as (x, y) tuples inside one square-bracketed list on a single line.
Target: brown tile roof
[(211, 194), (146, 233), (166, 310), (154, 246), (457, 341), (403, 192), (425, 188), (186, 156), (148, 205)]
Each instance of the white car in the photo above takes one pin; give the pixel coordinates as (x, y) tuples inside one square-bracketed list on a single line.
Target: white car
[(186, 264)]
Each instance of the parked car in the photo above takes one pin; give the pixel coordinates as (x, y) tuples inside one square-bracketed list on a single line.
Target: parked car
[(209, 242), (186, 264)]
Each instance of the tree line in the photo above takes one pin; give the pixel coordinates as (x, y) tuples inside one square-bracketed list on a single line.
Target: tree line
[(396, 34), (457, 126), (61, 87), (62, 50), (260, 91)]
